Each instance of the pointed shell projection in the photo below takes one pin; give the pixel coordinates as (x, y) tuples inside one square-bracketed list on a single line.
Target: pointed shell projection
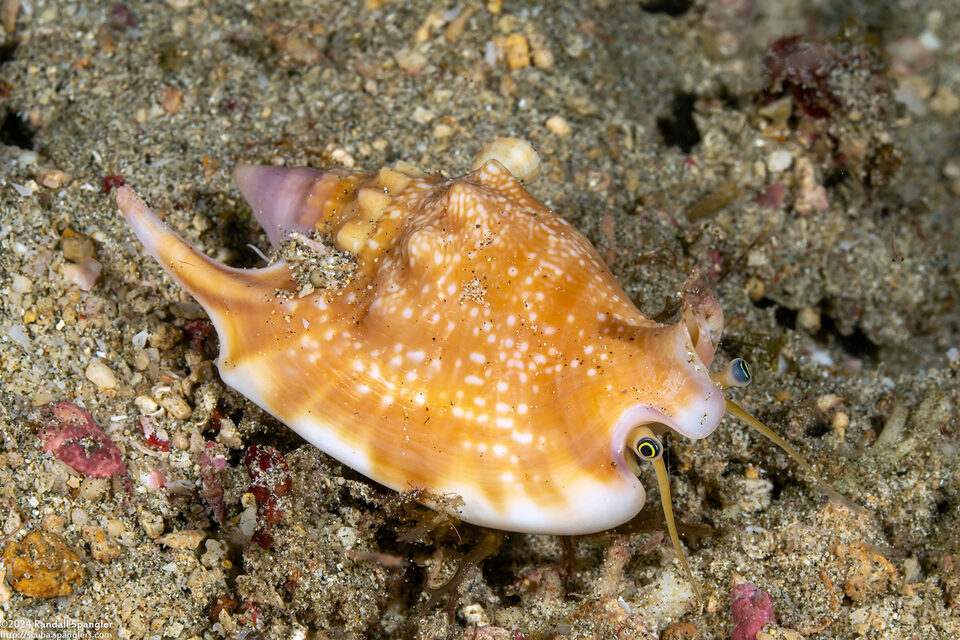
[(481, 348)]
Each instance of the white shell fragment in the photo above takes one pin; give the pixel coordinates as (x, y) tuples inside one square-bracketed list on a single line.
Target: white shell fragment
[(516, 154)]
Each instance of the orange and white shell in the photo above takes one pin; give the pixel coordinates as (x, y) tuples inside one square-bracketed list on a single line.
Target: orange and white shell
[(481, 349)]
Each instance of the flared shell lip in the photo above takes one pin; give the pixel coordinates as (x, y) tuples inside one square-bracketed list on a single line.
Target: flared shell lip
[(590, 504), (696, 421)]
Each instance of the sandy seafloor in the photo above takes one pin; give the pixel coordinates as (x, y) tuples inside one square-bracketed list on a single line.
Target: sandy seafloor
[(822, 205)]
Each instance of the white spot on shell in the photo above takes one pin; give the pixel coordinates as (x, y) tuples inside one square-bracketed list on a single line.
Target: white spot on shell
[(523, 438)]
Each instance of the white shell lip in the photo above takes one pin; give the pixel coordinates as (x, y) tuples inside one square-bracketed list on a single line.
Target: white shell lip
[(696, 421), (590, 505)]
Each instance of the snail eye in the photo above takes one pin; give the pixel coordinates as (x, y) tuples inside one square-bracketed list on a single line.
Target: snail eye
[(735, 374), (649, 448), (740, 371)]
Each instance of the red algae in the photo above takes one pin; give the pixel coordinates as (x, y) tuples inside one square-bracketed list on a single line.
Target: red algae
[(111, 181), (155, 440), (752, 608), (270, 476), (75, 438)]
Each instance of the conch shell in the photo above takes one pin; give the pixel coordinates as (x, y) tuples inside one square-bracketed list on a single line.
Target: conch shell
[(480, 348)]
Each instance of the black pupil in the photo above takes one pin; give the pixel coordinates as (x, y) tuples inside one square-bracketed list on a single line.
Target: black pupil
[(743, 370), (648, 449)]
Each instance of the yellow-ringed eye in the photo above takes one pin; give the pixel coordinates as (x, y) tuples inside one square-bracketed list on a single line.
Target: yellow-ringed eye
[(735, 374), (649, 448), (740, 371)]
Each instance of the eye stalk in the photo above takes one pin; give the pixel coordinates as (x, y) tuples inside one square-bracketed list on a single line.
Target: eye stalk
[(648, 447), (735, 374)]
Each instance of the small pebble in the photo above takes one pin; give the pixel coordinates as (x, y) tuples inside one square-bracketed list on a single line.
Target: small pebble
[(201, 222), (442, 130), (92, 488), (101, 547), (43, 566), (75, 247), (213, 554), (559, 126), (422, 115), (146, 404), (175, 405), (411, 61), (783, 395), (26, 189), (911, 570), (188, 539), (723, 195), (151, 523), (828, 401), (542, 56), (101, 375), (518, 156), (21, 284), (347, 537), (115, 528), (679, 631), (516, 51), (53, 522), (8, 16), (84, 274), (778, 111), (944, 102), (811, 196), (141, 360), (474, 614), (165, 336), (5, 592), (455, 29), (779, 161), (53, 178), (41, 398), (172, 100), (755, 289), (808, 320), (841, 420), (12, 523), (913, 91)]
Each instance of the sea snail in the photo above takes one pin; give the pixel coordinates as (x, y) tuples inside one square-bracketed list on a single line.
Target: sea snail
[(480, 347)]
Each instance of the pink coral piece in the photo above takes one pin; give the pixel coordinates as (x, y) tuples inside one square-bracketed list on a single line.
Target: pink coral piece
[(75, 438), (752, 608), (157, 479), (773, 196)]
